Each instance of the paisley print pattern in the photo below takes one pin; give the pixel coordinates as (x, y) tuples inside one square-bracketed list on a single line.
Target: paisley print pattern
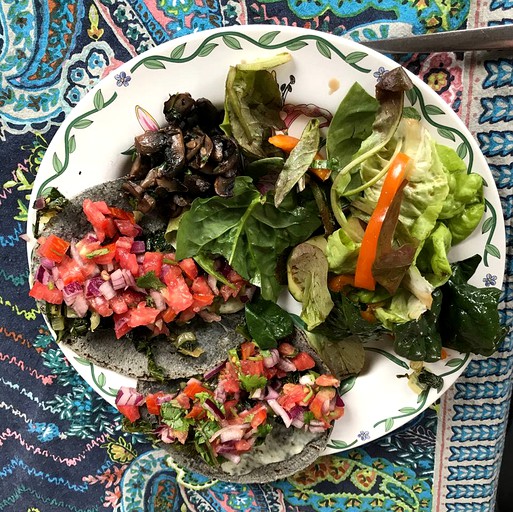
[(61, 447)]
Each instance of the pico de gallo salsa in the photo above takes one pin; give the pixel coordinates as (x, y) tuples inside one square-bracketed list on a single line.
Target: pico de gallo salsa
[(109, 273), (232, 407)]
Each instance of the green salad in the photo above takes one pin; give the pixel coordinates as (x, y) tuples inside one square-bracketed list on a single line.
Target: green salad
[(357, 219)]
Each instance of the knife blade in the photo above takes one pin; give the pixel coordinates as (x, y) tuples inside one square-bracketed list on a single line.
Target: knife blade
[(498, 37)]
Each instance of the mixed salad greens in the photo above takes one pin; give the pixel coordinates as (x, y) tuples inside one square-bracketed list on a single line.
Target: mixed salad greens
[(366, 226)]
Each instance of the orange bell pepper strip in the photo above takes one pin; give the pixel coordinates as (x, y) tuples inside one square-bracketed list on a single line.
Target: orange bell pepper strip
[(287, 143), (337, 283), (396, 174)]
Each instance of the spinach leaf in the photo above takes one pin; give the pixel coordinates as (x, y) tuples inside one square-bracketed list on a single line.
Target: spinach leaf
[(351, 124), (469, 320), (248, 230), (420, 340), (298, 161), (150, 281), (267, 322), (252, 111), (344, 320)]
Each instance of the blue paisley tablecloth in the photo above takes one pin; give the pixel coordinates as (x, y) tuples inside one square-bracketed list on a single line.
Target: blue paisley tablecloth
[(61, 447)]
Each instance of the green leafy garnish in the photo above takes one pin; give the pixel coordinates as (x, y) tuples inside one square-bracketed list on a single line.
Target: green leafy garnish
[(267, 322), (98, 252), (150, 281), (252, 382)]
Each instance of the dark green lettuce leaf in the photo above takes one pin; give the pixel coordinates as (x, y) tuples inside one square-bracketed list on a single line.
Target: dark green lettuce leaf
[(248, 230)]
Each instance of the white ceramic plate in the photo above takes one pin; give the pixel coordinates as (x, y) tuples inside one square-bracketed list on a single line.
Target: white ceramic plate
[(88, 148)]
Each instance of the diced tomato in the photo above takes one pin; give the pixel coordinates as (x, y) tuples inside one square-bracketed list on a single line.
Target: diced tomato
[(243, 445), (193, 387), (53, 248), (124, 243), (128, 261), (177, 294), (92, 211), (102, 207), (186, 315), (321, 401), (131, 412), (233, 277), (86, 246), (200, 286), (142, 315), (119, 213), (292, 395), (50, 293), (121, 325), (100, 305), (108, 257), (287, 350), (251, 367), (127, 228), (229, 408), (152, 262), (118, 305), (70, 270), (132, 298), (183, 401), (303, 361), (259, 415), (170, 273), (159, 327), (168, 315), (197, 411), (152, 402), (231, 291), (327, 380), (110, 228), (229, 379), (336, 414), (189, 268), (247, 349)]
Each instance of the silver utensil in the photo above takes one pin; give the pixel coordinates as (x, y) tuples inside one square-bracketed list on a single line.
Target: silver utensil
[(488, 38)]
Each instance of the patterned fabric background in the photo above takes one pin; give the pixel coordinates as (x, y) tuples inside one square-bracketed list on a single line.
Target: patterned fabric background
[(60, 444)]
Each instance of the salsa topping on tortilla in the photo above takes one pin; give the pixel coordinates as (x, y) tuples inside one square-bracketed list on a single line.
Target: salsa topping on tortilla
[(232, 407)]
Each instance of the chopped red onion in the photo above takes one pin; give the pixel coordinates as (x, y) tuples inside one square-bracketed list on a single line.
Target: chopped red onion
[(273, 359), (70, 291), (55, 274), (212, 282), (80, 306), (316, 430), (93, 287), (298, 423), (42, 275), (325, 409), (211, 407), (107, 290), (165, 434), (272, 394), (39, 203), (109, 267), (214, 371), (158, 299), (129, 396), (280, 411), (47, 263), (231, 433), (338, 401), (139, 258), (59, 284), (138, 247), (307, 380), (220, 394), (118, 280), (286, 365), (297, 412), (165, 398)]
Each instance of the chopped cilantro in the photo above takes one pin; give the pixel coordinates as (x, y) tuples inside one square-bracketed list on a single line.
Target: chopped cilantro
[(150, 280), (252, 382), (308, 417), (174, 417)]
